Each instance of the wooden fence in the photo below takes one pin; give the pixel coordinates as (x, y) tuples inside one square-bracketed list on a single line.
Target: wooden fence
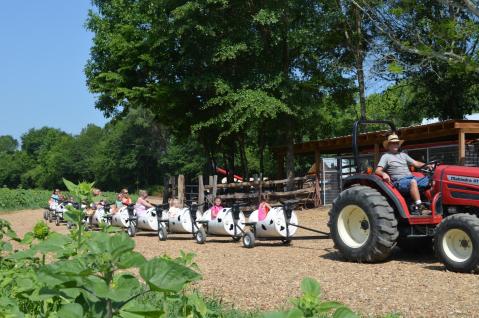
[(306, 189)]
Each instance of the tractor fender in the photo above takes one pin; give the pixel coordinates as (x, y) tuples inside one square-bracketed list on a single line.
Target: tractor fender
[(392, 195)]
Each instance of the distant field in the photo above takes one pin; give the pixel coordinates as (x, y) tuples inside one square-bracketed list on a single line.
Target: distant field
[(20, 199)]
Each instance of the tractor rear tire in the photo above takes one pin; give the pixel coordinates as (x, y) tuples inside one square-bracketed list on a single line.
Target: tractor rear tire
[(363, 225), (456, 243)]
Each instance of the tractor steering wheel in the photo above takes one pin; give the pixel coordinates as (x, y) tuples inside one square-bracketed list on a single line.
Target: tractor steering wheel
[(429, 171)]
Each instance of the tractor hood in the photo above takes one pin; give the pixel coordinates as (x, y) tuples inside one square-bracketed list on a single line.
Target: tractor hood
[(459, 185), (458, 174)]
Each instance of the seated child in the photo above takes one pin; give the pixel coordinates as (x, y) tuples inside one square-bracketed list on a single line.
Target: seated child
[(216, 208), (263, 208), (142, 203), (125, 198), (54, 199)]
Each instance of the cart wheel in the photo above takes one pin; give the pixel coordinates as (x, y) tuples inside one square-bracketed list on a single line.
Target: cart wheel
[(248, 240), (131, 231), (236, 238), (45, 215), (57, 221), (200, 236), (162, 235), (286, 241)]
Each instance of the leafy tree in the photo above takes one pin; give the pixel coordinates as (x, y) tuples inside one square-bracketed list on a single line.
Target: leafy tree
[(12, 167), (432, 44), (222, 68), (8, 144), (38, 141)]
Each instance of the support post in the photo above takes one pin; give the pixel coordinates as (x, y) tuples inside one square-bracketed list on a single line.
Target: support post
[(166, 189), (317, 184), (201, 194), (317, 161), (174, 190), (260, 186), (215, 185), (462, 147), (181, 189)]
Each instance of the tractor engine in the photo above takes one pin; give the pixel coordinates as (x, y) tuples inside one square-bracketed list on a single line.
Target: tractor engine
[(459, 188)]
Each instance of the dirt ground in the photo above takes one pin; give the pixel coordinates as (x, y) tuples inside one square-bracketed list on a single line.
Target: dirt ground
[(267, 276)]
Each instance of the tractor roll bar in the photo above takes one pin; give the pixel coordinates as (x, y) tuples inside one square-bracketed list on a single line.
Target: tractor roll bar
[(356, 126)]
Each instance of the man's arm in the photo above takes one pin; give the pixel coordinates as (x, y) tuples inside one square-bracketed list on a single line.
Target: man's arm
[(380, 172), (414, 163)]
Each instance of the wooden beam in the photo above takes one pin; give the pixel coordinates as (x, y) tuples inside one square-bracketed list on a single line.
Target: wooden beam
[(201, 194), (462, 147), (181, 189), (470, 130), (215, 186), (266, 183), (166, 189), (317, 161)]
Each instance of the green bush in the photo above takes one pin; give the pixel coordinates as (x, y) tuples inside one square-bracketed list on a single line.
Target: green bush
[(18, 199)]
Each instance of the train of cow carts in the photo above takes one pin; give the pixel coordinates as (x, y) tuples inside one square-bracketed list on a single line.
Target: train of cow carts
[(280, 223)]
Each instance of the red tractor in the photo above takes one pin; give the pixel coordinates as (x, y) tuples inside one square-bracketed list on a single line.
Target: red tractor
[(370, 217)]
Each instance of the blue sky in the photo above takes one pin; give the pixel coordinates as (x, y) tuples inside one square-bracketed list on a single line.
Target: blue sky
[(43, 49)]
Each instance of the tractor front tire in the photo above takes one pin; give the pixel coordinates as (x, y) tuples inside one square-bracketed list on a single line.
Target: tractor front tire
[(363, 225), (456, 243)]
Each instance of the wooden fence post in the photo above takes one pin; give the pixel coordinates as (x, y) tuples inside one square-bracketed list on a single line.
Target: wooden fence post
[(166, 189), (181, 189), (215, 185), (201, 194)]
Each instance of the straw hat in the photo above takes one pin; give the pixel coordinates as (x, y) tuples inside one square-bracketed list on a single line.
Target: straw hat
[(392, 138)]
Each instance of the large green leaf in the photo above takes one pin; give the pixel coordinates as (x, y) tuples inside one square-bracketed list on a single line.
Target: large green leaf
[(55, 242), (71, 311), (310, 287), (73, 188), (123, 287), (135, 310), (167, 275), (344, 312), (329, 305), (9, 308), (131, 259), (293, 313)]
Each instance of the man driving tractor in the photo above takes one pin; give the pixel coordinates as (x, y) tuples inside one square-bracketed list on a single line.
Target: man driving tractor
[(393, 167)]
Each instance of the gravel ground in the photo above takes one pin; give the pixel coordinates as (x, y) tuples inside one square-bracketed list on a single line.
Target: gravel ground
[(267, 276)]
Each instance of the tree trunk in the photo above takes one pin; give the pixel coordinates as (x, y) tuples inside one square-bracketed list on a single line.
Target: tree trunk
[(359, 57), (290, 158), (243, 158), (261, 151), (230, 164)]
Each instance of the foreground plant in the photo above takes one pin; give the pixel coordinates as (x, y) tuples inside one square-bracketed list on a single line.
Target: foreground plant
[(90, 274), (309, 304)]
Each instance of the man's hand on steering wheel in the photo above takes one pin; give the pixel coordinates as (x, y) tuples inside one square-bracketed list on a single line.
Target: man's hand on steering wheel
[(429, 167)]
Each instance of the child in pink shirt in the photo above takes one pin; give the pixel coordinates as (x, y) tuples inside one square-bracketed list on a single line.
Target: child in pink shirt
[(216, 208), (263, 208)]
